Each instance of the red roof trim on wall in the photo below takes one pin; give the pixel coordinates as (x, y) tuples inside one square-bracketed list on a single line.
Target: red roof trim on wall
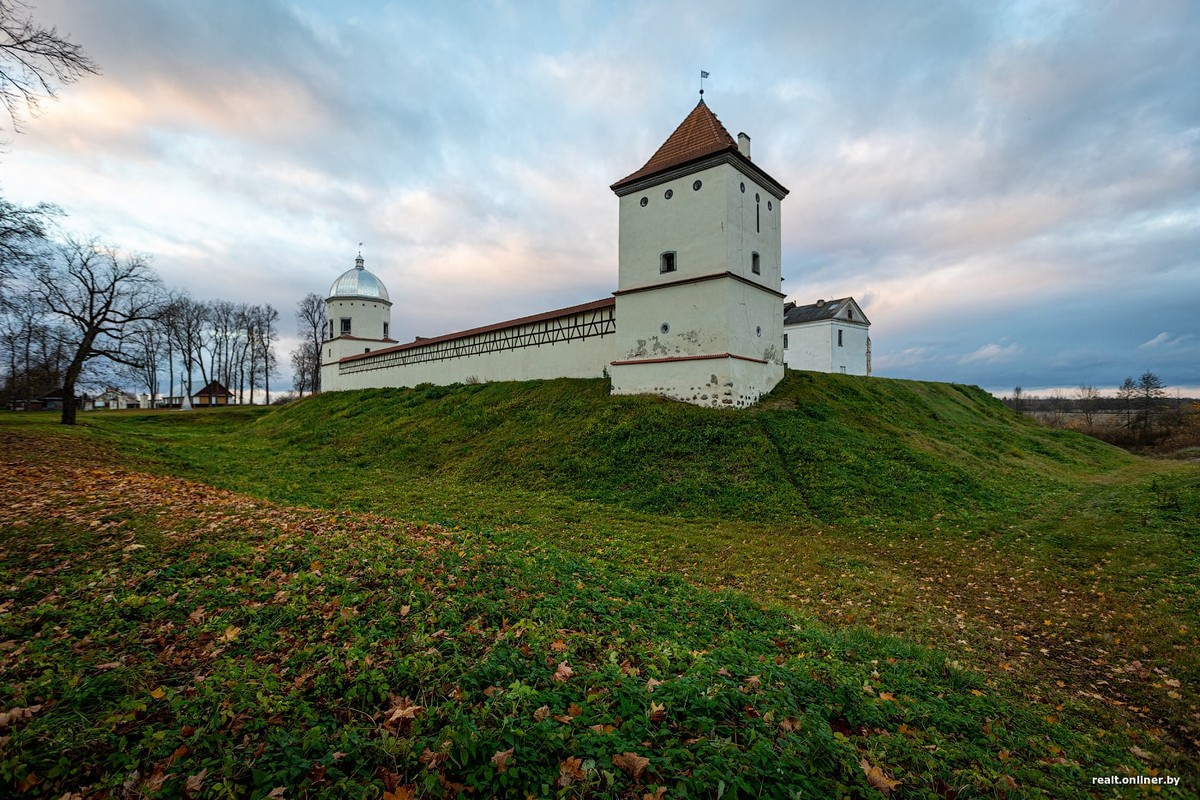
[(595, 305)]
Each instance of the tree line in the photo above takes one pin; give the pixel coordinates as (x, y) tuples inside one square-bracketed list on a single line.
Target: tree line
[(77, 312), (1138, 414)]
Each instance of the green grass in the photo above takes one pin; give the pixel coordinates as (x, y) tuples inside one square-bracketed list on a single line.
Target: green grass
[(1026, 598)]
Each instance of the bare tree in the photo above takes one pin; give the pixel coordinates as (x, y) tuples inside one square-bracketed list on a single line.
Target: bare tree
[(263, 332), (1056, 409), (225, 331), (306, 362), (310, 325), (22, 236), (147, 347), (33, 61), (97, 294), (1089, 398), (1150, 391), (1125, 394), (187, 327), (1017, 401), (34, 355)]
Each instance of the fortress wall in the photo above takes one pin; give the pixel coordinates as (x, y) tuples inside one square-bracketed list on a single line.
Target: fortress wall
[(580, 344)]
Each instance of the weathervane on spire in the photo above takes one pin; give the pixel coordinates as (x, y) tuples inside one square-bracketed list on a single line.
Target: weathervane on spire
[(703, 75)]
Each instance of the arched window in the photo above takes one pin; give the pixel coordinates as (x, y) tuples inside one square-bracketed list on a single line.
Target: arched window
[(666, 262)]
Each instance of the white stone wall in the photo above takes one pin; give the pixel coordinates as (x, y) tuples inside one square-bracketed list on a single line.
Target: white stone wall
[(702, 318), (716, 382), (529, 354)]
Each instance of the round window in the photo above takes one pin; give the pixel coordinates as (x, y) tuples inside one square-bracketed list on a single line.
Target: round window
[(758, 331), (668, 194), (645, 201), (664, 328), (743, 188), (757, 199), (696, 186), (769, 206)]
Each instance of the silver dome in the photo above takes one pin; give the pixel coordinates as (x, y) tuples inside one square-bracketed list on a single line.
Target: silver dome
[(358, 282)]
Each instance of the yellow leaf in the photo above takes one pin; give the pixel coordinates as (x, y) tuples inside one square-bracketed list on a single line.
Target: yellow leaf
[(230, 634), (500, 759), (631, 764), (570, 771), (878, 778), (158, 693)]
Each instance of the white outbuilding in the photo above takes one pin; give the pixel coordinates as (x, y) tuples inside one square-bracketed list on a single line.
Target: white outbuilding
[(827, 336)]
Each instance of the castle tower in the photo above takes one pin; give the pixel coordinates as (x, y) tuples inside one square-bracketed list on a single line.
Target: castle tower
[(359, 313), (699, 308)]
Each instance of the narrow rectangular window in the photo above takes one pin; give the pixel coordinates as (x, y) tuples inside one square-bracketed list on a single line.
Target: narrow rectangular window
[(385, 330), (666, 262), (839, 338), (345, 325), (755, 267), (785, 344)]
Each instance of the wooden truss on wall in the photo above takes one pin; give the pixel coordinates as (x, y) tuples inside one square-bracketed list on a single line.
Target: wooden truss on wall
[(532, 332)]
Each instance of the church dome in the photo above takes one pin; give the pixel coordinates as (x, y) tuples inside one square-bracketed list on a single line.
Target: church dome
[(359, 282)]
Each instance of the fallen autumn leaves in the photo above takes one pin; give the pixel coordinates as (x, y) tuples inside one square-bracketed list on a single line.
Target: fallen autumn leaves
[(166, 637)]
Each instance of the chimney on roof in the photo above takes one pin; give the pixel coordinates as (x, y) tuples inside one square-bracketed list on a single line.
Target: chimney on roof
[(820, 303), (744, 144)]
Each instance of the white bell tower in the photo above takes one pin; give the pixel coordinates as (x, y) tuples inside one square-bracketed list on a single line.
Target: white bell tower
[(359, 314), (699, 307)]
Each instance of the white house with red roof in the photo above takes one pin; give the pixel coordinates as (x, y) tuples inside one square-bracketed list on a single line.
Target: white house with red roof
[(698, 313)]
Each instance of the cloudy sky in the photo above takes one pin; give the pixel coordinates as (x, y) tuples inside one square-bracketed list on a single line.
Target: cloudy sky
[(1010, 190)]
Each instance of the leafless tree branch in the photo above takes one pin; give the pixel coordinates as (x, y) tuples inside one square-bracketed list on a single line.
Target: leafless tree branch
[(34, 61)]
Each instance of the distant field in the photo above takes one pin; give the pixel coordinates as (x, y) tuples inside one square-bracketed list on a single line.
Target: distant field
[(937, 597)]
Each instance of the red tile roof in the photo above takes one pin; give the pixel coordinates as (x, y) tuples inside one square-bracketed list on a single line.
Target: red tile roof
[(700, 134)]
